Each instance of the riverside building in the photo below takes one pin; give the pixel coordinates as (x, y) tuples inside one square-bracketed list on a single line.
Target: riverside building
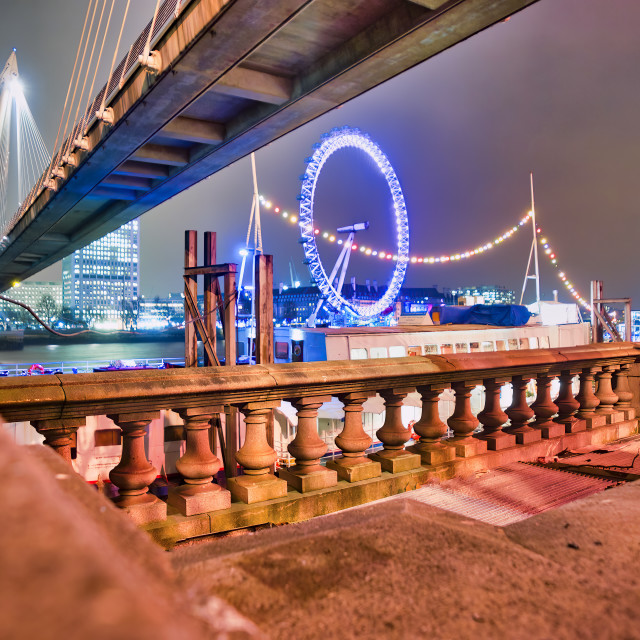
[(32, 294), (100, 281)]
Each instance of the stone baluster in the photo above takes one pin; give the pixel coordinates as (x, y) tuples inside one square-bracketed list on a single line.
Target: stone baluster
[(605, 392), (463, 423), (492, 418), (431, 447), (623, 391), (621, 386), (307, 448), (393, 435), (256, 457), (588, 400), (520, 413), (568, 405), (58, 433), (197, 466), (354, 465), (545, 409), (134, 473)]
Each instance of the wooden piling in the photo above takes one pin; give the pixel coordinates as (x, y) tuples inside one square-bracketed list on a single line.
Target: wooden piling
[(264, 309), (210, 293), (190, 284)]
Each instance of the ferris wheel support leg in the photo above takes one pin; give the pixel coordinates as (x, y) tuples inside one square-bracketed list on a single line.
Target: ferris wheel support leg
[(311, 320), (342, 258), (345, 264)]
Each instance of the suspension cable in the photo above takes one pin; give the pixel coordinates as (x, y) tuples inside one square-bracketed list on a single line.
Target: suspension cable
[(79, 121), (5, 138), (54, 157), (147, 46), (113, 60), (71, 137), (88, 115), (19, 150)]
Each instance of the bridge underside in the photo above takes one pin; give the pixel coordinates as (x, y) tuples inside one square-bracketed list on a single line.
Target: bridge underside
[(234, 76)]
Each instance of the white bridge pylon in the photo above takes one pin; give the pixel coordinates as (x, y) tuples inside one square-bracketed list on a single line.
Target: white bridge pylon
[(31, 152)]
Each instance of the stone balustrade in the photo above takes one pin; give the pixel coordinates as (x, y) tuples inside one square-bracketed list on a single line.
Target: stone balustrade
[(57, 406)]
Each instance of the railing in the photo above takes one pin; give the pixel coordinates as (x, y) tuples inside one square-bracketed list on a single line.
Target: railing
[(84, 366), (58, 405)]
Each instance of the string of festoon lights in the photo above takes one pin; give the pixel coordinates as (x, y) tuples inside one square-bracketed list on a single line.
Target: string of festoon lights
[(551, 255), (453, 257)]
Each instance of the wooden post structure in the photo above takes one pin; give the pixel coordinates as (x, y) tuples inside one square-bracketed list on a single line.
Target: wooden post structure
[(206, 327), (191, 286), (232, 417), (264, 325), (230, 300), (210, 293), (231, 420), (264, 309)]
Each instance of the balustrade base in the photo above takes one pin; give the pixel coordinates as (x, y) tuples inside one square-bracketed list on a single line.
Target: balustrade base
[(469, 448), (614, 417), (574, 426), (596, 420), (190, 500), (629, 413), (305, 482), (438, 455), (498, 440), (525, 435), (144, 511), (396, 461), (252, 489), (551, 430), (355, 471), (296, 507)]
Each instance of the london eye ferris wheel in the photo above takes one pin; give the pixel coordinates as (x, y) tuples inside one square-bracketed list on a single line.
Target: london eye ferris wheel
[(330, 286)]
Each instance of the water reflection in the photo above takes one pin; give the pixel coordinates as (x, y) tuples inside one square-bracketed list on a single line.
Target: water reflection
[(52, 353)]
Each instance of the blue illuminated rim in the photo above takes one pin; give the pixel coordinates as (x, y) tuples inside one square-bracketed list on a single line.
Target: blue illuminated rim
[(331, 142)]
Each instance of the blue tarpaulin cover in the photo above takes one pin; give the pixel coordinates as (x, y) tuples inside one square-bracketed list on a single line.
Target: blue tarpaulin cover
[(501, 315)]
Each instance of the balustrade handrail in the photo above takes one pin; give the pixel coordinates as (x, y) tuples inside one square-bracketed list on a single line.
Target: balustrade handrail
[(66, 396)]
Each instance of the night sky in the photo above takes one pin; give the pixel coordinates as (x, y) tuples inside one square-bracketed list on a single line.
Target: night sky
[(554, 90)]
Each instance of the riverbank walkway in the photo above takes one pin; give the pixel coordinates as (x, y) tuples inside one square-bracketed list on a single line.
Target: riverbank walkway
[(75, 566)]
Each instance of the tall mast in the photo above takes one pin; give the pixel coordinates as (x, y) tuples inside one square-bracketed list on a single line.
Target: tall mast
[(533, 252), (535, 242)]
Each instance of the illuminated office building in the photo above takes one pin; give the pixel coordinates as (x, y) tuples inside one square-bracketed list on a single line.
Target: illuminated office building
[(32, 294), (484, 294), (100, 281)]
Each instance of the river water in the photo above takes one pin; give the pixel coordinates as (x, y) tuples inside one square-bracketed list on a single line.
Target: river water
[(101, 353)]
